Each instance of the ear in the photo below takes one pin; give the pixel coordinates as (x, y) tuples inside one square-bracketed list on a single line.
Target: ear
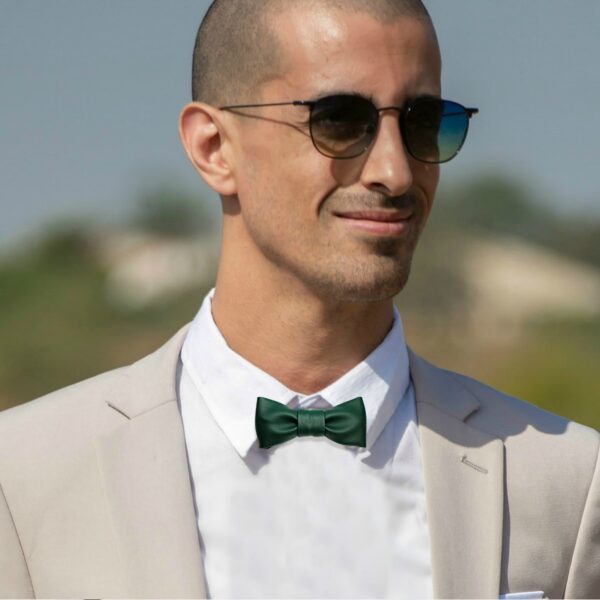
[(203, 139)]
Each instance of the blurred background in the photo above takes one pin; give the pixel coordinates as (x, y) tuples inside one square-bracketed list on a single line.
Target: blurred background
[(108, 239)]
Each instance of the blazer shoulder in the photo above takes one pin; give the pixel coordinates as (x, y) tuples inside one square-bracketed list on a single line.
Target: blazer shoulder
[(72, 398), (500, 414), (511, 413), (85, 408)]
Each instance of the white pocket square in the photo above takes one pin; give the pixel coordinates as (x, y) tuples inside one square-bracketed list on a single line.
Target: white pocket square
[(522, 596)]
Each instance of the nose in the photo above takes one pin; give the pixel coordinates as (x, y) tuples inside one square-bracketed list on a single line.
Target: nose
[(387, 167)]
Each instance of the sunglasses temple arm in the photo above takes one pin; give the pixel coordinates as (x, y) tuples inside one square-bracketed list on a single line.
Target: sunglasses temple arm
[(234, 106)]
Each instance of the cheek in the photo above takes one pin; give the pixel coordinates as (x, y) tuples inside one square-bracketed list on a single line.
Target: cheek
[(426, 178), (255, 169), (286, 174)]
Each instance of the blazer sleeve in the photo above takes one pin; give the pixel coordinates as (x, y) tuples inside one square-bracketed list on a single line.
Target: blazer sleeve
[(584, 575), (14, 574)]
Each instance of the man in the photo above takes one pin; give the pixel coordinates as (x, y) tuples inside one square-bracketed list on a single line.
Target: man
[(184, 475)]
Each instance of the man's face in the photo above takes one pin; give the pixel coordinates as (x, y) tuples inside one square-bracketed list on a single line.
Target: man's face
[(313, 220)]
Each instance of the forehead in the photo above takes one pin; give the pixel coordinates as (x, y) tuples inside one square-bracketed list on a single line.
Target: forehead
[(327, 50)]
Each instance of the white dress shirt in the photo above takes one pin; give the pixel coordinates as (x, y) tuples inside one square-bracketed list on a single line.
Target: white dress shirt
[(308, 518)]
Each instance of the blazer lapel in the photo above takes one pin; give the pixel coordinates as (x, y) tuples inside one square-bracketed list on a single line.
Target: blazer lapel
[(146, 479), (464, 487)]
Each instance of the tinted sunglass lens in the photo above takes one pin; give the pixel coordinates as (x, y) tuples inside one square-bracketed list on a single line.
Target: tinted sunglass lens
[(343, 126), (435, 130)]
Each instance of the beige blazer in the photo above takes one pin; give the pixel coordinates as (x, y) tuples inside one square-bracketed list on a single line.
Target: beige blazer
[(96, 501)]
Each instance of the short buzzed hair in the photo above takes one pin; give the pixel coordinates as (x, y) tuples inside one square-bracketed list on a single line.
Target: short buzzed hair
[(236, 49)]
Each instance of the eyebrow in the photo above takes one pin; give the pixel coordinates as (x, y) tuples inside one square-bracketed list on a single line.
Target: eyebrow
[(353, 92), (344, 92)]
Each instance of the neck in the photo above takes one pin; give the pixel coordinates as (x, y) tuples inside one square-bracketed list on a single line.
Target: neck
[(304, 341)]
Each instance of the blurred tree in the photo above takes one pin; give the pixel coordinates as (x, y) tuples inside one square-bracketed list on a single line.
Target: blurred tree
[(168, 210), (57, 325), (495, 203), (498, 204), (64, 244)]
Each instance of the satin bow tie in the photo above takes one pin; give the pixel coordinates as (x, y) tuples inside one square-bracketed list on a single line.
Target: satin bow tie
[(344, 424)]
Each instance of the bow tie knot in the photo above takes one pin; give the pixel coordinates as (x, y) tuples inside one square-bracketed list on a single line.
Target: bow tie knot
[(344, 424), (311, 422)]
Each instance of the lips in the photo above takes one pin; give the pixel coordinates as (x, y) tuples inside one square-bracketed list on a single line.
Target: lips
[(381, 216), (378, 222)]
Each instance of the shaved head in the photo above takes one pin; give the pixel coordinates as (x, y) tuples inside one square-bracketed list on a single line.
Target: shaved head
[(237, 49)]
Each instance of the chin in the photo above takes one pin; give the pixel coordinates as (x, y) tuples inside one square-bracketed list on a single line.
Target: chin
[(364, 284)]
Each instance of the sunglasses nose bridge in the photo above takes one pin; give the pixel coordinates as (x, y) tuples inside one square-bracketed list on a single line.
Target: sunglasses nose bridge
[(383, 109), (398, 109)]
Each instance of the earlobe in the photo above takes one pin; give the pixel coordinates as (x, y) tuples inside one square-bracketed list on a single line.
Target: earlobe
[(204, 143)]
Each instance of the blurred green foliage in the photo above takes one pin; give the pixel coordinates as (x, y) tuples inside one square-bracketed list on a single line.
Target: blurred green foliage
[(496, 204), (58, 324), (168, 210), (557, 368)]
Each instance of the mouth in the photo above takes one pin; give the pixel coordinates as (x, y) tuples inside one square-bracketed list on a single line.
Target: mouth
[(390, 223)]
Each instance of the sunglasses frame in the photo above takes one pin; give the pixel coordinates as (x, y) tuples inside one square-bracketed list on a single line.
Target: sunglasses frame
[(403, 112)]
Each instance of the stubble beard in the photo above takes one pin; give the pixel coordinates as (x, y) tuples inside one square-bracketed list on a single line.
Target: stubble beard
[(366, 270), (379, 274), (382, 271)]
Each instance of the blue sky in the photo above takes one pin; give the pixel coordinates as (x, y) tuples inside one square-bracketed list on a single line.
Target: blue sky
[(91, 90)]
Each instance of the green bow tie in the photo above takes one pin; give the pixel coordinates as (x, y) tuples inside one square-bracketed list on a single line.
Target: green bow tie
[(344, 424)]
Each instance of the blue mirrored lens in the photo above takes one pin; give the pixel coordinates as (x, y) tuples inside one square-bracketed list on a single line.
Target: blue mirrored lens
[(434, 130)]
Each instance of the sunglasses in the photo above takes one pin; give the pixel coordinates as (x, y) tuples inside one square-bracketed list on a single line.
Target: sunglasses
[(345, 125)]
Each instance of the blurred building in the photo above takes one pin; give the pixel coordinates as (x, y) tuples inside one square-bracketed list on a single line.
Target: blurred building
[(144, 268), (512, 283)]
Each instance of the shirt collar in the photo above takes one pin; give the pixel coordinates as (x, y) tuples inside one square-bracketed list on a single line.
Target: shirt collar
[(229, 384)]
